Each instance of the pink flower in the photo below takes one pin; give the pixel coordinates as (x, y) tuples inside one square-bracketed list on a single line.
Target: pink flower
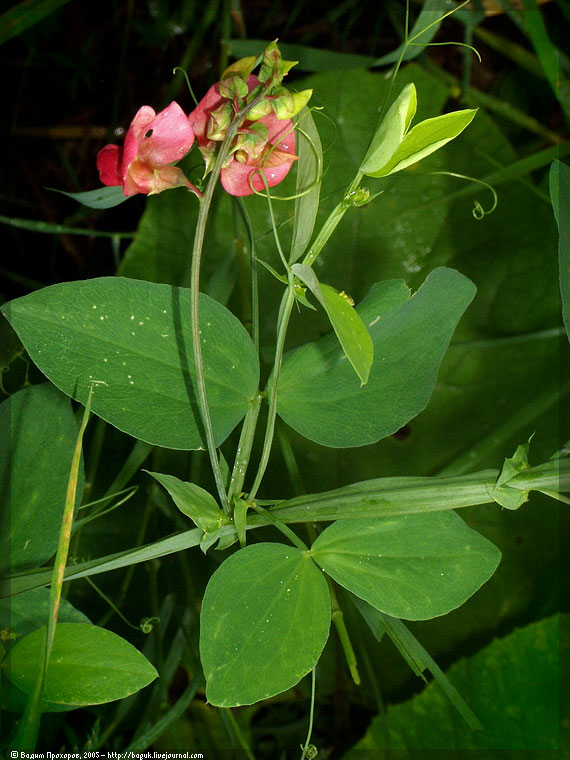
[(152, 143), (267, 149)]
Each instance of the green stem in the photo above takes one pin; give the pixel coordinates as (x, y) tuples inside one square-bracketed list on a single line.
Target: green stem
[(338, 620), (283, 322), (307, 744), (195, 296), (267, 514), (285, 313), (244, 448), (332, 222)]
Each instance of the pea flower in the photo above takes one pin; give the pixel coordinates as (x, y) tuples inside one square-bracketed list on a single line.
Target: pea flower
[(152, 143), (263, 146)]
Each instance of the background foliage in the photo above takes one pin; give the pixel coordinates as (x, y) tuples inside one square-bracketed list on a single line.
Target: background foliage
[(78, 73)]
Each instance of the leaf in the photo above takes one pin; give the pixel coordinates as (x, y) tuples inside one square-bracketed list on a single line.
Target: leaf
[(502, 493), (387, 497), (560, 196), (309, 175), (179, 542), (423, 31), (347, 324), (88, 665), (512, 684), (26, 612), (35, 457), (308, 58), (102, 197), (423, 139), (193, 501), (24, 15), (133, 338), (415, 655), (318, 395), (256, 638), (161, 249), (415, 567), (392, 130)]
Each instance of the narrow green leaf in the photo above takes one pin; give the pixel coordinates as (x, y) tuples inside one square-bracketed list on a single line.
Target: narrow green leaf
[(423, 31), (35, 455), (133, 338), (24, 15), (17, 584), (415, 567), (320, 397), (256, 638), (392, 130), (88, 665), (387, 497), (415, 655), (193, 501), (425, 138), (346, 322), (309, 173), (553, 60), (102, 197), (560, 196)]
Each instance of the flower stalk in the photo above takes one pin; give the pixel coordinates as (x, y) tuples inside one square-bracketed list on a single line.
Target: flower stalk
[(203, 212)]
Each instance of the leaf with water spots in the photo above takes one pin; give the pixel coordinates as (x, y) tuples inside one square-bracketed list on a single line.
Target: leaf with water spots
[(264, 623), (320, 396), (415, 567), (133, 339)]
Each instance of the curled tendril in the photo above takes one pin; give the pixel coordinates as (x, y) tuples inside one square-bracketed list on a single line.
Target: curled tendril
[(311, 752), (478, 211), (147, 624), (185, 75)]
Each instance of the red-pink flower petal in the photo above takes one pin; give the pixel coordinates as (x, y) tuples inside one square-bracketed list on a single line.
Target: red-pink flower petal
[(109, 161), (237, 178), (139, 125), (166, 138), (138, 179), (200, 116)]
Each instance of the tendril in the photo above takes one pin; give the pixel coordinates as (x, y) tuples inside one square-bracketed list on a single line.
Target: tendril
[(147, 624), (478, 211), (448, 42), (185, 75)]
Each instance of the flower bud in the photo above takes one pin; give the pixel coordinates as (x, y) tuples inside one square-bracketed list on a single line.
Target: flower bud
[(219, 122), (288, 105)]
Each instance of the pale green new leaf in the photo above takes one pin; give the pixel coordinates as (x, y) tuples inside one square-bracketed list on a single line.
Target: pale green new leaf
[(351, 331), (425, 138), (391, 131), (415, 567), (309, 174), (265, 620), (193, 501), (88, 665), (133, 339)]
